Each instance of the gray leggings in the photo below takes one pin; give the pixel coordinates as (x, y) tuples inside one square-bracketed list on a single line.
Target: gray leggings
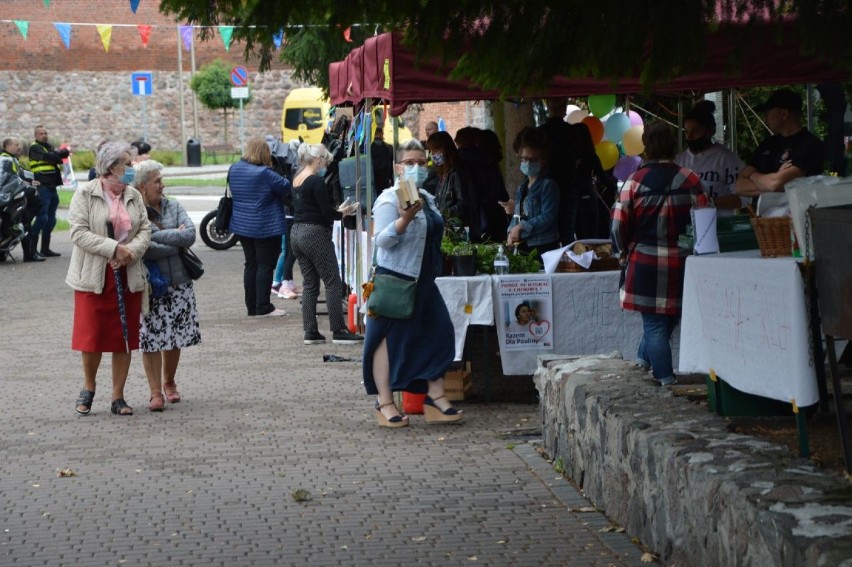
[(314, 251)]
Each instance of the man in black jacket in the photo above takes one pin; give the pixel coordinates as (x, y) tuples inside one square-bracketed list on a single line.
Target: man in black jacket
[(45, 162)]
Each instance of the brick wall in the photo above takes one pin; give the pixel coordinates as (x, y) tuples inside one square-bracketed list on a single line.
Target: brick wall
[(44, 50)]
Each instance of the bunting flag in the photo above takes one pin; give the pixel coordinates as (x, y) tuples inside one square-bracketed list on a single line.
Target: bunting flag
[(145, 34), (186, 35), (227, 34), (346, 34), (278, 38), (47, 3), (23, 26), (105, 31), (64, 32), (134, 5)]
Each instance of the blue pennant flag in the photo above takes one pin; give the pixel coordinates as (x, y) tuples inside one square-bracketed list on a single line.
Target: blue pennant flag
[(65, 33), (278, 38), (134, 5)]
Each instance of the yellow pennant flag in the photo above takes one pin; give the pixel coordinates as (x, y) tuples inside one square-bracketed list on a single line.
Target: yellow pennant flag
[(105, 31)]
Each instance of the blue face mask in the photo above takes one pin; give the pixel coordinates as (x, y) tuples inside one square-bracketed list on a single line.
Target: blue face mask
[(128, 175), (438, 159), (321, 171), (530, 168), (417, 174)]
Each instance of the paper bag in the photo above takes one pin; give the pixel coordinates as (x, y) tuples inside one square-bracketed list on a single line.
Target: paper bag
[(706, 238)]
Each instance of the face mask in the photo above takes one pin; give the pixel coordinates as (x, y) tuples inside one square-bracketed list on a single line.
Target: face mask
[(530, 168), (321, 171), (699, 145), (417, 174), (438, 159), (128, 175)]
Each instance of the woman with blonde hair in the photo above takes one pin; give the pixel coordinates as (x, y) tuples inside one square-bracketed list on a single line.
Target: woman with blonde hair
[(110, 233), (313, 218), (258, 221)]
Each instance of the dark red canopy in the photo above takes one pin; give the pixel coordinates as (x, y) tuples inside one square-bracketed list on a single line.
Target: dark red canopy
[(383, 69)]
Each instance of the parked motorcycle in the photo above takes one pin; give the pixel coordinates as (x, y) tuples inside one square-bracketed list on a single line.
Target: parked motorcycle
[(213, 237), (12, 203)]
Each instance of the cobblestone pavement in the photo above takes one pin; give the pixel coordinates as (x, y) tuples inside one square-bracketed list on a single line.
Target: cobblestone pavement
[(210, 481)]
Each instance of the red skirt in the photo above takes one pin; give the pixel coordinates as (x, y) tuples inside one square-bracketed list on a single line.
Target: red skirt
[(97, 322)]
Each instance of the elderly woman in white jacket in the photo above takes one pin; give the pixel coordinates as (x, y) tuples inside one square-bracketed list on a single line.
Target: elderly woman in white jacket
[(110, 232)]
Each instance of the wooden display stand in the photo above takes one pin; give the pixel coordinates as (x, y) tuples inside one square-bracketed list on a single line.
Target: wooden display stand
[(457, 383)]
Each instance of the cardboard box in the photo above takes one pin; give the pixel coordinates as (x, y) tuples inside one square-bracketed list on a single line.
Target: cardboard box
[(457, 383)]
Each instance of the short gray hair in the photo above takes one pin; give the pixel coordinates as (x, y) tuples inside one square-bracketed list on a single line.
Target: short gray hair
[(409, 146), (144, 170), (309, 153), (109, 155)]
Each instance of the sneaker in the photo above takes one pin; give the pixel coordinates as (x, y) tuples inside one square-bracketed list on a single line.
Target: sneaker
[(275, 313), (344, 337), (314, 338), (284, 293), (275, 287)]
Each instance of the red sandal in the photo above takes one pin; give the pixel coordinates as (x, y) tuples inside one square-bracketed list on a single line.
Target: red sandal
[(172, 395)]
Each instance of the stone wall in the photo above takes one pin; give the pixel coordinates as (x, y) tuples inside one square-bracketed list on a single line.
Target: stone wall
[(82, 108), (672, 475)]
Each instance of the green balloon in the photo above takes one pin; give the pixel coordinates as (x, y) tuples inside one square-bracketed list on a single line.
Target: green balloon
[(601, 105)]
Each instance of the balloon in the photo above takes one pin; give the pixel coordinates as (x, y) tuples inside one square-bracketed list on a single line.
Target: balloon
[(615, 126), (625, 167), (608, 154), (576, 116), (595, 127), (569, 109), (600, 105), (632, 141), (635, 119)]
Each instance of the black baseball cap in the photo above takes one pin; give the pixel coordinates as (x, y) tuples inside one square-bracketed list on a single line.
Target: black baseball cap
[(782, 98)]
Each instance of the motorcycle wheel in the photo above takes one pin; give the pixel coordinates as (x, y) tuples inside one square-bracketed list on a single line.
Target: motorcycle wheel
[(215, 239), (2, 256)]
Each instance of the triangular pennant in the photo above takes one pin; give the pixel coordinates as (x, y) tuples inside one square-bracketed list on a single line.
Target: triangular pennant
[(186, 35), (134, 5), (346, 34), (23, 26), (65, 33), (278, 38), (145, 34), (227, 34), (105, 31), (47, 3)]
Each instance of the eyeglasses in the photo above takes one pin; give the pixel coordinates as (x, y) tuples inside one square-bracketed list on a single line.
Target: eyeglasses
[(530, 159), (411, 162)]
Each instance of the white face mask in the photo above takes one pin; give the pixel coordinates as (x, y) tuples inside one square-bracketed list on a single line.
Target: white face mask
[(417, 174)]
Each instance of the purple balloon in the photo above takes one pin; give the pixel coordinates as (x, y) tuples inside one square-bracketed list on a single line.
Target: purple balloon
[(625, 167), (635, 119)]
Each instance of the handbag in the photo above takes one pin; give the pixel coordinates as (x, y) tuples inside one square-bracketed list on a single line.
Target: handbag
[(159, 282), (192, 263), (388, 295), (225, 208)]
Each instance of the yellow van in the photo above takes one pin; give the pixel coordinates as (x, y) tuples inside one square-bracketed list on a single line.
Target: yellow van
[(387, 128), (305, 115)]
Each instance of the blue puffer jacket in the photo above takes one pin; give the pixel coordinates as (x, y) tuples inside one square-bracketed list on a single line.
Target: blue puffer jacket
[(258, 206)]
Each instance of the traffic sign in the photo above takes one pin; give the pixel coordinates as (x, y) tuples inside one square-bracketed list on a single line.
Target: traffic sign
[(142, 84), (239, 76), (239, 92)]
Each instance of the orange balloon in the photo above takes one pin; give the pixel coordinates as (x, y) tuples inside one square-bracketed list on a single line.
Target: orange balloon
[(596, 128)]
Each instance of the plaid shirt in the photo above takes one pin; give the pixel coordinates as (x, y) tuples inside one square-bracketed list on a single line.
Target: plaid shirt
[(652, 210)]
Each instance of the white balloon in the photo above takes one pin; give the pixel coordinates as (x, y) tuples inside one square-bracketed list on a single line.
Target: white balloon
[(576, 116), (569, 109)]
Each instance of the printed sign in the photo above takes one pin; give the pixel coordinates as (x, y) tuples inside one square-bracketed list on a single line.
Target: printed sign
[(142, 84), (525, 312)]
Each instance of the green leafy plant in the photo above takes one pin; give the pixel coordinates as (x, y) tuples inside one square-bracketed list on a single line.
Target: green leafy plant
[(83, 160), (212, 85)]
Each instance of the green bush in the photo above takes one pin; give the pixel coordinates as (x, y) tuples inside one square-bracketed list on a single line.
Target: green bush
[(83, 160), (167, 158)]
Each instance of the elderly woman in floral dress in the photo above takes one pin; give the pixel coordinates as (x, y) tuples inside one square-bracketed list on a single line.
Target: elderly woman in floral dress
[(172, 320)]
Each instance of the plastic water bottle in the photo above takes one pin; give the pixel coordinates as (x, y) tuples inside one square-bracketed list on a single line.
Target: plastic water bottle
[(501, 262)]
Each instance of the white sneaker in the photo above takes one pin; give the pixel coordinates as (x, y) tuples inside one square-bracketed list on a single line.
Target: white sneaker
[(276, 313), (287, 294)]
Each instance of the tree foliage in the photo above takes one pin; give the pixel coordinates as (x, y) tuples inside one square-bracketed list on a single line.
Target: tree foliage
[(512, 46), (212, 85)]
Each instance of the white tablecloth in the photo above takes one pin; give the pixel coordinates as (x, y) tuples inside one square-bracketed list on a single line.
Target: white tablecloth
[(746, 317), (469, 302)]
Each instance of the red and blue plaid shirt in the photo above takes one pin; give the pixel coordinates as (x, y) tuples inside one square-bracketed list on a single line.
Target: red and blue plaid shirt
[(652, 210)]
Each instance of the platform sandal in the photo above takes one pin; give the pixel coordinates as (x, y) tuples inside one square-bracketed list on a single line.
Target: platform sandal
[(434, 414), (85, 400), (395, 421)]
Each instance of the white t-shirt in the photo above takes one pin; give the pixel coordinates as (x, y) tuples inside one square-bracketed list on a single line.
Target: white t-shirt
[(718, 168)]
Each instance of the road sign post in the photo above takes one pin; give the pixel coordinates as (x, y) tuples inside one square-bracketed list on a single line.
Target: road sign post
[(239, 78), (142, 84)]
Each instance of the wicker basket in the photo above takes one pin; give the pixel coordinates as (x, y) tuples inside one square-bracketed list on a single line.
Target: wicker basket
[(603, 265), (773, 236)]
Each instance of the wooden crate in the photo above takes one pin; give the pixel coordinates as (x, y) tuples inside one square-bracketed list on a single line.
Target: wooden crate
[(457, 383)]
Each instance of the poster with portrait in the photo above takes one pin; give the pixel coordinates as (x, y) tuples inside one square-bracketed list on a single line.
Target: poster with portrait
[(525, 312)]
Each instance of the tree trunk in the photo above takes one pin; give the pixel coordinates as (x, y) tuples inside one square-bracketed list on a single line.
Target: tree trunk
[(509, 119), (225, 115)]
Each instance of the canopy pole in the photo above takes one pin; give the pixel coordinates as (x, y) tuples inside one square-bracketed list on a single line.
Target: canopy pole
[(731, 132), (680, 122), (810, 106)]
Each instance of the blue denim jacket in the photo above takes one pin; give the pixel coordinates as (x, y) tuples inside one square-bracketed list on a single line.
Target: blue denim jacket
[(402, 253), (541, 205)]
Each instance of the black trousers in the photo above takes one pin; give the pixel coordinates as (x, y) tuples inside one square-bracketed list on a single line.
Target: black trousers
[(261, 256)]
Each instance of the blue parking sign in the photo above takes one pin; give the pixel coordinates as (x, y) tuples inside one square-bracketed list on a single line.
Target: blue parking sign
[(142, 84)]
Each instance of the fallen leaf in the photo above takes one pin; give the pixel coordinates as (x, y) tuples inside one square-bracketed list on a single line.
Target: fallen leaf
[(607, 529), (300, 495), (418, 538), (648, 557), (36, 485), (66, 472), (442, 438), (344, 547), (619, 531), (587, 509), (473, 558), (502, 541)]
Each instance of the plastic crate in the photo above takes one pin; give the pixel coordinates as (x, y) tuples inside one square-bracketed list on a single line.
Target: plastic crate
[(730, 402)]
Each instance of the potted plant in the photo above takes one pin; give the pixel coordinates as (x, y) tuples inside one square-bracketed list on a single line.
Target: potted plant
[(463, 257)]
